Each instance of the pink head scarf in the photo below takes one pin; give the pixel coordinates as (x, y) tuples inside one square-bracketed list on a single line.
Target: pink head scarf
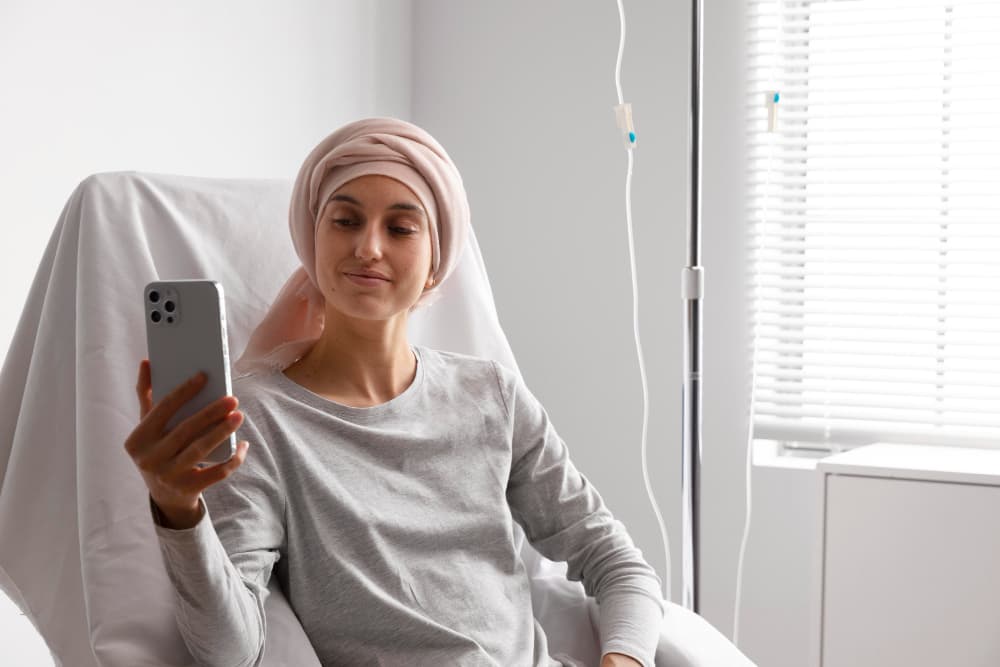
[(385, 146)]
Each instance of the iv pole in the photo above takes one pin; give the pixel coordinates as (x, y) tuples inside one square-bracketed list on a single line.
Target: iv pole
[(691, 287)]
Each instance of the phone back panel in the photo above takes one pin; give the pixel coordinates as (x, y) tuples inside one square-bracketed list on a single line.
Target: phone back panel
[(189, 336)]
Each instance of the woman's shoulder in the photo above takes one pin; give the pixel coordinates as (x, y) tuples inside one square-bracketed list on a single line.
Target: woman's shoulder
[(252, 384), (462, 368), (257, 392), (452, 362), (450, 357)]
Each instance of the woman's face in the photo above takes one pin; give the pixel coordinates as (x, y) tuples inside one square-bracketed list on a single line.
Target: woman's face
[(375, 225)]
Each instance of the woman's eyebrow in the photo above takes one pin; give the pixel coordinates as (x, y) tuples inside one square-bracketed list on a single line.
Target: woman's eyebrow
[(352, 200)]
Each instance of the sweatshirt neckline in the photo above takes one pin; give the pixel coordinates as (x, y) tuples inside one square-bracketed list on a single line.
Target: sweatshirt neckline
[(296, 390)]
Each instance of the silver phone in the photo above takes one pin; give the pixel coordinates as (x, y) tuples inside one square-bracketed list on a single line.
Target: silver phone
[(186, 333)]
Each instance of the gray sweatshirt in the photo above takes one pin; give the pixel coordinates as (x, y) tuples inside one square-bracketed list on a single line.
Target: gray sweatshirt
[(390, 528)]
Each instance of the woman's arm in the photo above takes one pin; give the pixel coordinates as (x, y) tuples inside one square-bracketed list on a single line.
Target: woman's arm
[(221, 565), (565, 518)]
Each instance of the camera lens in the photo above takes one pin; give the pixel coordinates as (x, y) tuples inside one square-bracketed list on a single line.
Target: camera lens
[(154, 296), (169, 306), (170, 320), (155, 316)]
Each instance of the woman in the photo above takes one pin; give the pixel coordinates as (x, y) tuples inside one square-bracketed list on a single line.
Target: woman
[(384, 477)]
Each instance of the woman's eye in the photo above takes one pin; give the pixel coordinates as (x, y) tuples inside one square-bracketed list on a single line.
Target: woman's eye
[(346, 222)]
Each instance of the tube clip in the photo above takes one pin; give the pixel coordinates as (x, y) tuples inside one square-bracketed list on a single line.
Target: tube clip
[(623, 114), (771, 99)]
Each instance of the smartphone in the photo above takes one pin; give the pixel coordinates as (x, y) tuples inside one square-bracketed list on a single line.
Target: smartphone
[(186, 333)]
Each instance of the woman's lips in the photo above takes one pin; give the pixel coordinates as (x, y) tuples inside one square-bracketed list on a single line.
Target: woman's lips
[(364, 280)]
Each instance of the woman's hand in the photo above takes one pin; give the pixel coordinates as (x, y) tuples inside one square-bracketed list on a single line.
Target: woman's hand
[(167, 461), (619, 660)]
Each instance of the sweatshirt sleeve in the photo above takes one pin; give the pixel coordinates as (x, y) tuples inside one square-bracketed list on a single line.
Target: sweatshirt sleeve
[(565, 519), (220, 568)]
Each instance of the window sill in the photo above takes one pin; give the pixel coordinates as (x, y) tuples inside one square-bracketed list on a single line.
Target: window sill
[(963, 465)]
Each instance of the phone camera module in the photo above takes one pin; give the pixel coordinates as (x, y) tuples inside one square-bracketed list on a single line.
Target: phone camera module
[(168, 306), (155, 316), (154, 296)]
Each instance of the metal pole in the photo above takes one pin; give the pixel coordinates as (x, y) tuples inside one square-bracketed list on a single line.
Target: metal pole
[(691, 285)]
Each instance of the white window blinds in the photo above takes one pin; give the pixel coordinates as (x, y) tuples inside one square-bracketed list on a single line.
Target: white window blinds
[(874, 210)]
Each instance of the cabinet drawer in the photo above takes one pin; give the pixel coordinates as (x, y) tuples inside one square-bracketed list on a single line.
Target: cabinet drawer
[(911, 573)]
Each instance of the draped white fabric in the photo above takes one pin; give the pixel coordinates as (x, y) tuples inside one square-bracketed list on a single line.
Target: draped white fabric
[(78, 552)]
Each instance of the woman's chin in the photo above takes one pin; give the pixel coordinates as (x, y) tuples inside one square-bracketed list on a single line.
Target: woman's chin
[(365, 307)]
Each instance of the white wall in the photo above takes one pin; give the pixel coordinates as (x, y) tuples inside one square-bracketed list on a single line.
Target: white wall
[(234, 89)]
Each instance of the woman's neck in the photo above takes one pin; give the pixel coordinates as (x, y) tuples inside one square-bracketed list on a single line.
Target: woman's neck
[(367, 363)]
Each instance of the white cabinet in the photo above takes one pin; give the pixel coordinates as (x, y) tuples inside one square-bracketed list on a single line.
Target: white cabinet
[(910, 558)]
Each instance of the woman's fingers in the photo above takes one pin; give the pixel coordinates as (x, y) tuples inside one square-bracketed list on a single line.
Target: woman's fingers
[(167, 461), (142, 443), (209, 476), (172, 402), (199, 449), (185, 432), (144, 389)]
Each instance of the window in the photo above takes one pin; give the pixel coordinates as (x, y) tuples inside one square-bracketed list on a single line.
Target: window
[(874, 212)]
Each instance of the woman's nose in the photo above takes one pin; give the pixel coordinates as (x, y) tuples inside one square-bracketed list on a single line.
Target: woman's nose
[(369, 246)]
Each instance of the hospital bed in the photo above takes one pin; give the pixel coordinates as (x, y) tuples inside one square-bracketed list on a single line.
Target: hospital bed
[(78, 553)]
